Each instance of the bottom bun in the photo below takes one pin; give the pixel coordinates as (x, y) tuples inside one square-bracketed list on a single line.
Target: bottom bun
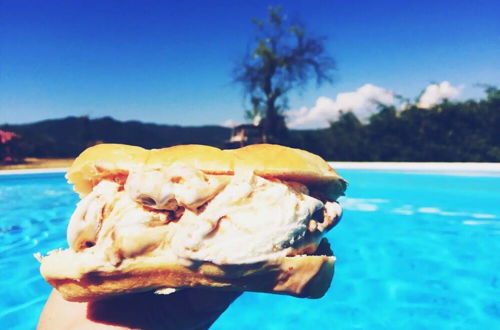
[(302, 276)]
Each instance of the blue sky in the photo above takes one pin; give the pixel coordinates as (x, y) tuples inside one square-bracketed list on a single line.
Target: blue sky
[(170, 62)]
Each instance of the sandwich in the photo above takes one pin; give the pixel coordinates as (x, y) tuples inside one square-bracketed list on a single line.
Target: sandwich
[(248, 219)]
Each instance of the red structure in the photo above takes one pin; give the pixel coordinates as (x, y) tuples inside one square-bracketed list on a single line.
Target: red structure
[(6, 155)]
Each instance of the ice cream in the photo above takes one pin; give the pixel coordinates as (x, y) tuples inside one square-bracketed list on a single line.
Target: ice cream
[(182, 212)]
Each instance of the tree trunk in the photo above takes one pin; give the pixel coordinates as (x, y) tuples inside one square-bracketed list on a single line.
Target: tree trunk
[(270, 122)]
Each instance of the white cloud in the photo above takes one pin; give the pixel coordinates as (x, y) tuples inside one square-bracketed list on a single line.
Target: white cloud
[(437, 93), (362, 102), (229, 123)]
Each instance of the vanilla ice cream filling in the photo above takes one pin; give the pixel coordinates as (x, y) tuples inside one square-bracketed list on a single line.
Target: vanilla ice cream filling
[(186, 214)]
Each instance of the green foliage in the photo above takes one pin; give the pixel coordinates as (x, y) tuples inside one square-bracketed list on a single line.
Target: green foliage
[(455, 132), (283, 57)]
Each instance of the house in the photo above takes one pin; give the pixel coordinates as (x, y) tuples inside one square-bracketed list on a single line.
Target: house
[(244, 134)]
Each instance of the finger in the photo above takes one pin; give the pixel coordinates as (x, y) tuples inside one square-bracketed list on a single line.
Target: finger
[(210, 300), (60, 314), (185, 309), (195, 308)]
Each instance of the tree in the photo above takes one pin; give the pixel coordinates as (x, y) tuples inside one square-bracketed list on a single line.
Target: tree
[(283, 58)]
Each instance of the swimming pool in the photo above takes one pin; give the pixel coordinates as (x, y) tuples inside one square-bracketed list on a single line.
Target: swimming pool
[(413, 251)]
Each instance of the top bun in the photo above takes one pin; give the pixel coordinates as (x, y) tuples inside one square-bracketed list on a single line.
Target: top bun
[(210, 160), (266, 160), (275, 161), (98, 161)]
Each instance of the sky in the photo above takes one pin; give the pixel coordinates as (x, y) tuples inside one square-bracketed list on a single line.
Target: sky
[(170, 62)]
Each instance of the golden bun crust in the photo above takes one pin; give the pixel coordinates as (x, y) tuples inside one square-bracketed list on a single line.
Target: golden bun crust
[(266, 160), (96, 162), (275, 161), (210, 160), (301, 276)]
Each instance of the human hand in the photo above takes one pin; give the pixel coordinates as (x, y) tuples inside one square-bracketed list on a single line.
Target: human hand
[(184, 309)]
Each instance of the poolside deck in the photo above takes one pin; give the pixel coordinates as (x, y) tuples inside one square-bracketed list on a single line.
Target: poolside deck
[(43, 165), (39, 163)]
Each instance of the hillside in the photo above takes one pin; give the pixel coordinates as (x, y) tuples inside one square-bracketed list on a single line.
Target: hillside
[(67, 137)]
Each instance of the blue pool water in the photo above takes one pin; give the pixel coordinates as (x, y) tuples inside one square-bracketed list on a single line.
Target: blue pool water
[(414, 251)]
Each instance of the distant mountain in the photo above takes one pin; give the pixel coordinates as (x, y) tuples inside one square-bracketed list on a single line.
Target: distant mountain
[(67, 137)]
